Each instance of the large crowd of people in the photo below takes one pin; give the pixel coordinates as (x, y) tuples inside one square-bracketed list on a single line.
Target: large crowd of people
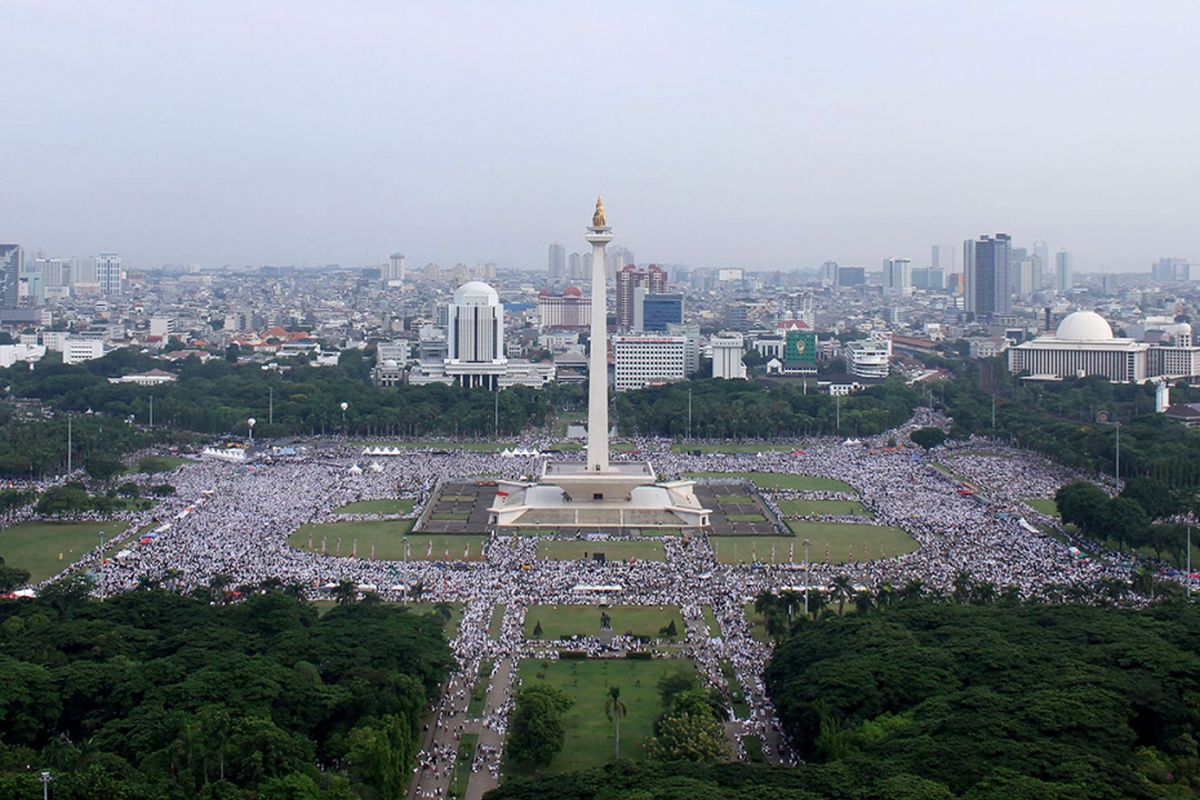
[(234, 521)]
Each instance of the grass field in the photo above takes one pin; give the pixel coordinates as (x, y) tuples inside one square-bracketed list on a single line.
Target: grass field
[(757, 623), (1043, 505), (450, 516), (496, 623), (436, 445), (840, 508), (572, 550), (462, 766), (589, 734), (737, 698), (46, 548), (746, 518), (393, 506), (456, 611), (479, 689), (779, 480), (388, 536), (169, 464), (735, 499), (579, 620), (732, 447), (714, 627), (837, 538)]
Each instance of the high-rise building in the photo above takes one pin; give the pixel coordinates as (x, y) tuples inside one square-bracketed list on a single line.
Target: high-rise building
[(557, 262), (475, 335), (897, 276), (1169, 270), (108, 273), (829, 273), (935, 255), (988, 279), (571, 310), (661, 310), (852, 276), (1041, 252), (1063, 276), (727, 352), (576, 269), (55, 271), (395, 268), (653, 279), (640, 361), (11, 266)]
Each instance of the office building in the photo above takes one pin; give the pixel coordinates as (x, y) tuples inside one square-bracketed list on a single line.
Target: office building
[(727, 352), (652, 279), (988, 275), (1171, 270), (108, 273), (640, 361), (556, 262), (570, 310), (852, 276), (657, 311), (868, 358), (576, 268), (1063, 271), (829, 273), (691, 351), (897, 276), (76, 350), (11, 267), (395, 269)]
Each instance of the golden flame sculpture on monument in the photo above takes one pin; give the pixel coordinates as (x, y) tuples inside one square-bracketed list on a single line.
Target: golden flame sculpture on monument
[(598, 216), (577, 497)]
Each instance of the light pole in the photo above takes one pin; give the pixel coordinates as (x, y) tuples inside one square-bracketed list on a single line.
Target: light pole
[(270, 405), (250, 424), (68, 443), (1117, 467), (151, 412), (807, 579), (344, 406), (45, 778), (689, 413)]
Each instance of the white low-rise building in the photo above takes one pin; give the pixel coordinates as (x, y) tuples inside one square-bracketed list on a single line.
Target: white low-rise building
[(727, 352), (641, 361), (868, 358), (76, 351)]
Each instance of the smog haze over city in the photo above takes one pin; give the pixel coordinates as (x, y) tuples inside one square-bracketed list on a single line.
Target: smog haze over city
[(759, 135)]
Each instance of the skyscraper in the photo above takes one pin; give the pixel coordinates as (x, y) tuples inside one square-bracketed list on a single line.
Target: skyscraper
[(108, 273), (988, 280), (653, 279), (897, 275), (10, 272), (1062, 271), (395, 268), (557, 262), (969, 278), (1042, 253), (475, 335)]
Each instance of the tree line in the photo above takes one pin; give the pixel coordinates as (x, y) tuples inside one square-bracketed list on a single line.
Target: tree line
[(154, 695)]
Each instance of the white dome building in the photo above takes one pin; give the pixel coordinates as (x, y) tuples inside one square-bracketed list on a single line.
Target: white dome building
[(1082, 345), (1084, 326)]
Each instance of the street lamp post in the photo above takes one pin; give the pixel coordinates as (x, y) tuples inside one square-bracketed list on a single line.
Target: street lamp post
[(344, 406), (807, 579), (1117, 467), (250, 425), (45, 778)]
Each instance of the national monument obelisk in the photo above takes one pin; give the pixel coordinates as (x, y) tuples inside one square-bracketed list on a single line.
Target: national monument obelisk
[(599, 235)]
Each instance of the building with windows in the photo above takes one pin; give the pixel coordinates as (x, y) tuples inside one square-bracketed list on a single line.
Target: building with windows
[(108, 273), (868, 358), (652, 279), (987, 263), (727, 352), (1063, 276), (395, 269), (656, 311), (556, 262), (570, 310), (1084, 344), (640, 361), (77, 350), (11, 266)]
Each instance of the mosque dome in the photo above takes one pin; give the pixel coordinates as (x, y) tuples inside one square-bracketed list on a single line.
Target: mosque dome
[(1084, 326), (476, 293)]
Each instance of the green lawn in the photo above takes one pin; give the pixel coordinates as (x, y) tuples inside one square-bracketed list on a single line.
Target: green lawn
[(754, 749), (714, 627), (573, 550), (462, 766), (496, 623), (779, 480), (168, 464), (393, 506), (757, 623), (1043, 505), (581, 620), (388, 536), (436, 445), (456, 611), (746, 518), (737, 698), (836, 537), (839, 508), (735, 499), (47, 548), (479, 689), (732, 447), (589, 734)]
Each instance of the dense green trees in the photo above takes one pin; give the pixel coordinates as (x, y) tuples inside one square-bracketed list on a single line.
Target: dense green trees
[(535, 732), (927, 438), (1067, 701), (158, 696)]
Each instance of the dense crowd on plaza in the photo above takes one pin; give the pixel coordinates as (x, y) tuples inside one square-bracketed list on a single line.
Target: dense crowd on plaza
[(235, 520)]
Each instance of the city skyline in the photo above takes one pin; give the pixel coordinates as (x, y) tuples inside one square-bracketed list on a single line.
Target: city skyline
[(780, 137)]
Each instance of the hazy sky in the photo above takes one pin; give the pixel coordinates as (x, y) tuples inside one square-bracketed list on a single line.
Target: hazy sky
[(762, 135)]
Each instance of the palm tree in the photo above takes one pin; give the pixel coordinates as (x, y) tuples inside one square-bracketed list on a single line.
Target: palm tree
[(912, 590), (1142, 582), (614, 709), (863, 601), (963, 583), (885, 595), (842, 590), (345, 592)]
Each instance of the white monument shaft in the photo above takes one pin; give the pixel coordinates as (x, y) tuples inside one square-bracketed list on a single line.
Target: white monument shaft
[(597, 428)]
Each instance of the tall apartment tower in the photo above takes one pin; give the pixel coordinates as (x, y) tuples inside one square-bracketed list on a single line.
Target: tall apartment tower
[(653, 280), (108, 273), (556, 262), (11, 266), (989, 284), (969, 278), (897, 275), (395, 268), (1063, 276)]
